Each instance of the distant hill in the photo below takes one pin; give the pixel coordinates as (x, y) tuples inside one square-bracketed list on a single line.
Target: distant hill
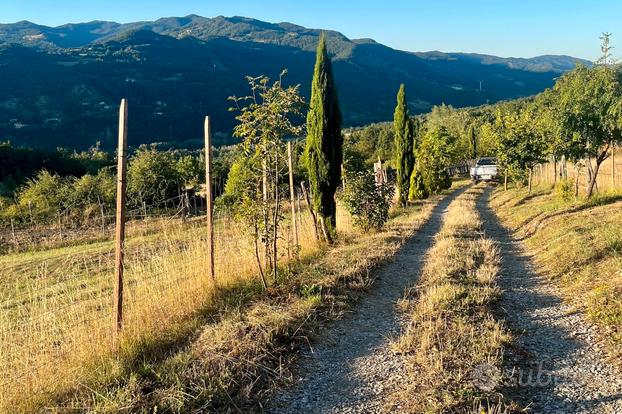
[(60, 86)]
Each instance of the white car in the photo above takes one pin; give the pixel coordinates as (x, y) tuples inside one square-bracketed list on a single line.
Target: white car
[(485, 169)]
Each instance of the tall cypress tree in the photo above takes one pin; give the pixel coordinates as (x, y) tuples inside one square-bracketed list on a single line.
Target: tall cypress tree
[(473, 142), (404, 137), (324, 152)]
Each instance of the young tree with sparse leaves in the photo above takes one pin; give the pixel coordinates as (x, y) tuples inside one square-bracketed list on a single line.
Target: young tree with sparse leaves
[(256, 184)]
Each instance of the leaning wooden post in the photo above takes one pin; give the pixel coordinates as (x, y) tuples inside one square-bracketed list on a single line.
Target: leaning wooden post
[(208, 196), (120, 219), (292, 192)]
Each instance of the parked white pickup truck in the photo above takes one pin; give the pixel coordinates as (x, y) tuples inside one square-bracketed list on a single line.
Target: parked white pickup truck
[(485, 169)]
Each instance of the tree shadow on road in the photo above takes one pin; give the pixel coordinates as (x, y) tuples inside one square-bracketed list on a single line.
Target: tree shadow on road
[(541, 361)]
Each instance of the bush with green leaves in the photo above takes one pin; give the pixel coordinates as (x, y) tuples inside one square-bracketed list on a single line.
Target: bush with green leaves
[(417, 189), (565, 189), (434, 155), (44, 197), (367, 202)]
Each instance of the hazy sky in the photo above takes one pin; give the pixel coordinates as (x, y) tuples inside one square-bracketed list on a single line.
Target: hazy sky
[(503, 27)]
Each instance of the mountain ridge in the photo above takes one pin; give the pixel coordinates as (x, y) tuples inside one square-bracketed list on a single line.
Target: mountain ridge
[(172, 25), (59, 85)]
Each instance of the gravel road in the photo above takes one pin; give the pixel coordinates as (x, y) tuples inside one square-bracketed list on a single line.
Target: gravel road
[(351, 368), (557, 365), (569, 371)]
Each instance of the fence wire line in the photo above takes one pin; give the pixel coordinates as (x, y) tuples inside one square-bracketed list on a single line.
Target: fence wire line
[(87, 303)]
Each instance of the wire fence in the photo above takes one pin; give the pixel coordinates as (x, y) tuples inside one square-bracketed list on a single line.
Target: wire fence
[(608, 179), (67, 229), (56, 296)]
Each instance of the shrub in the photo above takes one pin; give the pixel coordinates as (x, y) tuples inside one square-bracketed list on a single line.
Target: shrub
[(367, 202), (434, 155), (565, 189), (417, 189)]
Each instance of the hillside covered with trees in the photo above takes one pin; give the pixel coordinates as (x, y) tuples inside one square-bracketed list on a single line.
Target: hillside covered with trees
[(59, 86)]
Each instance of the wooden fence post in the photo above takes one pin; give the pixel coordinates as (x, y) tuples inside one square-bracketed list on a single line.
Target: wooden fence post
[(208, 196), (102, 216), (13, 233), (292, 192), (120, 219), (613, 167), (299, 205)]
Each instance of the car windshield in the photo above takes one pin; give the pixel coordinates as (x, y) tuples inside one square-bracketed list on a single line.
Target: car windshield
[(487, 161)]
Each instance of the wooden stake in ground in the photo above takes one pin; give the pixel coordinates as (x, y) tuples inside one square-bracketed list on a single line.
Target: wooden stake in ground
[(613, 167), (120, 220), (13, 233), (292, 192), (208, 196)]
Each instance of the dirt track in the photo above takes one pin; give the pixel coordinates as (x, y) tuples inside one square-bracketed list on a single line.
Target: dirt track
[(351, 368)]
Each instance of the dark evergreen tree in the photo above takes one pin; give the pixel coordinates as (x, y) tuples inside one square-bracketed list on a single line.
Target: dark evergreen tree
[(473, 142), (404, 140), (324, 152)]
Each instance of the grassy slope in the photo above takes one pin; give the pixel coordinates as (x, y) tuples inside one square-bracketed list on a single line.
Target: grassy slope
[(233, 347), (576, 243), (237, 360), (453, 345)]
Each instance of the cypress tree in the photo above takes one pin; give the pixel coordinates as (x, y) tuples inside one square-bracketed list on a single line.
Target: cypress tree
[(473, 142), (324, 152), (404, 137)]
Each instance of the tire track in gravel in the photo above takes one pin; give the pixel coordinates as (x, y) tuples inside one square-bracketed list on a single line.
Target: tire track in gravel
[(351, 368), (569, 372)]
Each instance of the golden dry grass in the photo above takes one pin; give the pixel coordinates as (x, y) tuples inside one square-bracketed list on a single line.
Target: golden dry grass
[(56, 344), (453, 345), (235, 361), (56, 317)]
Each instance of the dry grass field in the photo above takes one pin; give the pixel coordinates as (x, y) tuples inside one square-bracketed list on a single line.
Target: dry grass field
[(56, 314)]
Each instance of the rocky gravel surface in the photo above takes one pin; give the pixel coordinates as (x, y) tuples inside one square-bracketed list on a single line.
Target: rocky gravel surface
[(557, 365), (351, 368)]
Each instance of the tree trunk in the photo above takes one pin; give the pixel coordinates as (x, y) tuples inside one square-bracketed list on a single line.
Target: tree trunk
[(505, 182), (266, 213), (554, 170), (530, 179), (599, 160), (313, 216), (588, 172), (592, 184), (327, 236), (263, 278), (275, 219)]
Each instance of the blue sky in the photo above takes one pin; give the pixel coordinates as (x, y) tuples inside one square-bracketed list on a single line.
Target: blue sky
[(503, 27)]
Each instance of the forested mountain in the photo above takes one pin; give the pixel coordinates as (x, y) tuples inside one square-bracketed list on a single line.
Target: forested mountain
[(60, 86)]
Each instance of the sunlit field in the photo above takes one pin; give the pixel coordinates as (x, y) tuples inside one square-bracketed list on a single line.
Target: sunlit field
[(56, 317)]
